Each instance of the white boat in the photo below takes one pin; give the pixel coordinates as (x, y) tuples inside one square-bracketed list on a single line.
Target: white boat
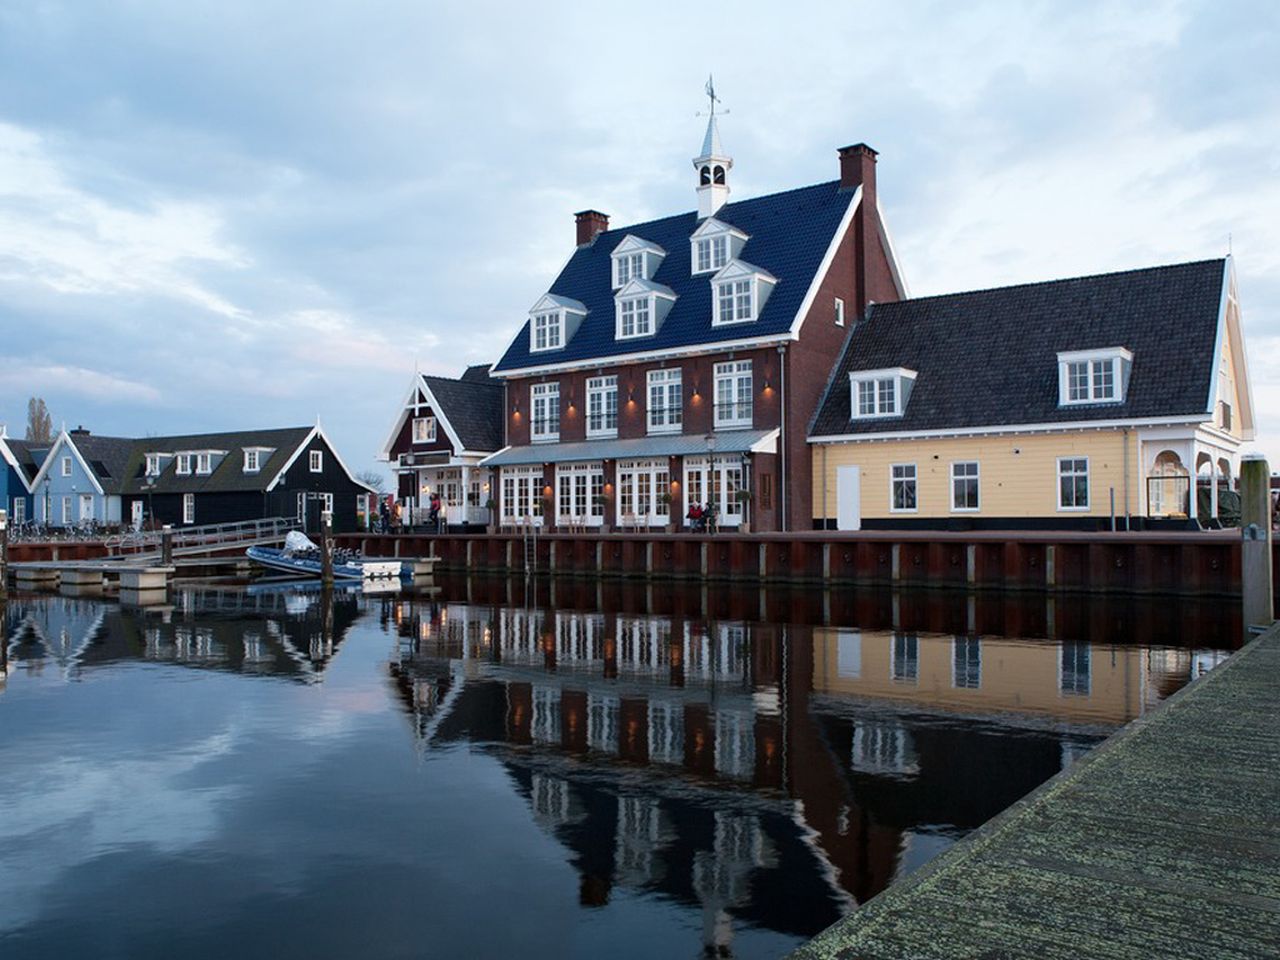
[(301, 557)]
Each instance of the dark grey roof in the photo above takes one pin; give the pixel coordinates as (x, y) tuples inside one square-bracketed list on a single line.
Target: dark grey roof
[(228, 475), (473, 407), (989, 357), (30, 455), (665, 445), (108, 457), (477, 373)]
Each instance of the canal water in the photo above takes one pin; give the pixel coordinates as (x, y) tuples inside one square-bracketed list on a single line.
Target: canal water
[(489, 769)]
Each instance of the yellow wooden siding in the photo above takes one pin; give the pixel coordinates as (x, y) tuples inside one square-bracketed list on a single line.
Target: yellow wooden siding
[(1018, 475), (1232, 395)]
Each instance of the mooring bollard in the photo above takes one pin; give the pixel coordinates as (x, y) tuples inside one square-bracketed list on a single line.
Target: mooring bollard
[(1255, 551), (166, 545), (326, 548), (4, 559)]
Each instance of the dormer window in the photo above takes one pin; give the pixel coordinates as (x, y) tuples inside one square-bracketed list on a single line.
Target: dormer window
[(251, 464), (880, 393), (635, 259), (1093, 376), (642, 305), (552, 321), (183, 466), (153, 464), (740, 293), (714, 244), (204, 463)]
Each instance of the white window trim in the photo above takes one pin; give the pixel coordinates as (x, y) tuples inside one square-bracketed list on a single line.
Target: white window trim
[(153, 465), (188, 508), (554, 321), (256, 465), (182, 466), (428, 431), (1088, 486), (543, 390), (955, 643), (601, 385), (711, 229), (753, 284), (204, 464), (899, 375), (1118, 356), (651, 300), (951, 492), (915, 478), (839, 310), (734, 369), (662, 377), (66, 466), (315, 461)]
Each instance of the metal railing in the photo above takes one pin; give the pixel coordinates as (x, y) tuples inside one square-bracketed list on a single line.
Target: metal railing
[(207, 535)]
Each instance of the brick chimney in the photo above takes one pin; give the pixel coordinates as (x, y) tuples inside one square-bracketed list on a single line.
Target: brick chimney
[(858, 168), (590, 223)]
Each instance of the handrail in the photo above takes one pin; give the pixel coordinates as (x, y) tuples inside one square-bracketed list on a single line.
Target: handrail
[(212, 534)]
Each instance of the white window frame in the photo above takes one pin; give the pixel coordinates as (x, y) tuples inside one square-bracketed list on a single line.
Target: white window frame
[(252, 460), (661, 384), (424, 429), (702, 485), (1096, 363), (710, 254), (605, 390), (66, 466), (547, 326), (896, 378), (968, 642), (153, 464), (634, 310), (68, 503), (976, 478), (894, 480), (520, 494), (1088, 485), (204, 464), (839, 310), (577, 487), (19, 510), (315, 461), (541, 427), (741, 300), (732, 372), (182, 466), (640, 485), (628, 267), (188, 508)]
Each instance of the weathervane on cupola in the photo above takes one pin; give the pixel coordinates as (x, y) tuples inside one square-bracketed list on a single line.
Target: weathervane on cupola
[(713, 164)]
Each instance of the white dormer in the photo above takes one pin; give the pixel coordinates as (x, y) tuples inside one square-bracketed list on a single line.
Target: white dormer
[(1093, 376), (155, 464), (635, 258), (256, 457), (739, 292), (880, 393), (713, 245), (640, 307), (713, 166), (553, 320)]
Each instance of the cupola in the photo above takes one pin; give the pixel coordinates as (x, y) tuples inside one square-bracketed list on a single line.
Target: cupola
[(712, 165)]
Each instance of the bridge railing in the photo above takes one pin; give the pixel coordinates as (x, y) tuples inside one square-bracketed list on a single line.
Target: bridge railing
[(206, 535)]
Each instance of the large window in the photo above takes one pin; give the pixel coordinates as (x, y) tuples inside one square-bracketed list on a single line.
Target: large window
[(641, 485), (635, 317), (711, 253), (1093, 376), (602, 406), (522, 494), (630, 266), (876, 397), (548, 330), (188, 508), (578, 489), (1073, 483), (714, 480), (733, 394), (964, 485), (902, 493), (545, 403), (424, 430), (735, 301), (666, 399)]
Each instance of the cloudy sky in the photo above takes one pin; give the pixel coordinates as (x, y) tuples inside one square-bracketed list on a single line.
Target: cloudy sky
[(236, 214)]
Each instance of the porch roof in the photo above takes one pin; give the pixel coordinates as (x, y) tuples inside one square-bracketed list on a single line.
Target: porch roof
[(669, 445)]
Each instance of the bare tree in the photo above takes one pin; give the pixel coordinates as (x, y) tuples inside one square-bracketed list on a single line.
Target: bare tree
[(39, 423), (372, 479)]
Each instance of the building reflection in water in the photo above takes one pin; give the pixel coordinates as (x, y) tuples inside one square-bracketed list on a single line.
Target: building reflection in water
[(292, 634), (776, 758)]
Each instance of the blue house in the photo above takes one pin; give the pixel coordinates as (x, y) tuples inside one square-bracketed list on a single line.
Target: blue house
[(79, 479), (17, 470)]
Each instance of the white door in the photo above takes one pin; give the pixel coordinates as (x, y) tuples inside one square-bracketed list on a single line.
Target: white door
[(135, 514), (86, 506), (848, 498)]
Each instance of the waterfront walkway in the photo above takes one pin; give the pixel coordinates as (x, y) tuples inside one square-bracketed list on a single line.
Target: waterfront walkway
[(1164, 842)]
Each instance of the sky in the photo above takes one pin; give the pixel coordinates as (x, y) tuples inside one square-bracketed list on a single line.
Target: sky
[(229, 215)]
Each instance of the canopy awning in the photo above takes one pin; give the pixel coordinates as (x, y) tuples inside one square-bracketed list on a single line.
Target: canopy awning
[(669, 445)]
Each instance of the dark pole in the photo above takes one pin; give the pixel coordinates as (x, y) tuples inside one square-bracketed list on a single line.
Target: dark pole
[(4, 560), (326, 548), (166, 545)]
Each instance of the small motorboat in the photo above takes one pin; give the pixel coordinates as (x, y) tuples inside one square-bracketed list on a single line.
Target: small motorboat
[(301, 557)]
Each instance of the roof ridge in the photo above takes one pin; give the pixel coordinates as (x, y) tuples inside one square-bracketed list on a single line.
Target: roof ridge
[(633, 227), (1049, 283)]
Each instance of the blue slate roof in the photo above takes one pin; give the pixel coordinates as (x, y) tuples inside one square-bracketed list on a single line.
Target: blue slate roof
[(789, 234)]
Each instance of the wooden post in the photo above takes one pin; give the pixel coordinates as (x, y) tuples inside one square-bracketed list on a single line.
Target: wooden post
[(166, 545), (1255, 551), (4, 561), (326, 548)]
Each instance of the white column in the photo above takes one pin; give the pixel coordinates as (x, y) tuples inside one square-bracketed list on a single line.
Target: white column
[(466, 493)]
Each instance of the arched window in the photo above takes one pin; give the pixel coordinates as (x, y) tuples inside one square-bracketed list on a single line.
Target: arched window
[(1168, 486), (705, 178), (719, 174)]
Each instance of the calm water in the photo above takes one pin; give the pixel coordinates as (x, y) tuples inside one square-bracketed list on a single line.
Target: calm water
[(577, 771)]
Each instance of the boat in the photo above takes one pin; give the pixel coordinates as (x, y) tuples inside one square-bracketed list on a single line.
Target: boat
[(301, 558)]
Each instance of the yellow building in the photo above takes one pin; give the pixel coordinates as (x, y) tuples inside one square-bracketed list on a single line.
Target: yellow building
[(1059, 404)]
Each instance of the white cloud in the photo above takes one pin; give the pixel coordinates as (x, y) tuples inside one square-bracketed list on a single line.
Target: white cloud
[(25, 380)]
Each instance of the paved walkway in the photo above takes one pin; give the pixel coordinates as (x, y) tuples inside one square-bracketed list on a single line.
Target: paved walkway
[(1163, 843)]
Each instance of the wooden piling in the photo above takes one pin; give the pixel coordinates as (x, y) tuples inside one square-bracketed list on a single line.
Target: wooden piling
[(166, 545), (4, 559), (1255, 551), (326, 548)]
